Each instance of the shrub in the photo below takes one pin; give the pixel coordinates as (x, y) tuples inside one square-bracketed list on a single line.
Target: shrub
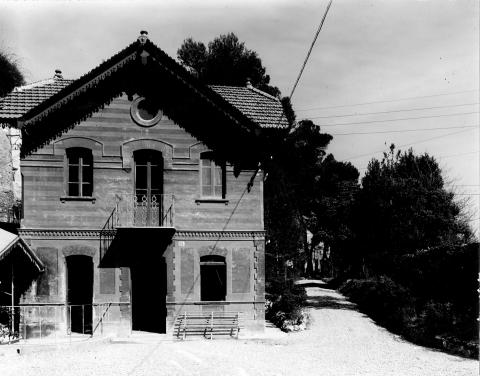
[(381, 298), (432, 323), (285, 303)]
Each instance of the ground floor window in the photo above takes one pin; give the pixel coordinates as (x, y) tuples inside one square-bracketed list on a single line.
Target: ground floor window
[(213, 278)]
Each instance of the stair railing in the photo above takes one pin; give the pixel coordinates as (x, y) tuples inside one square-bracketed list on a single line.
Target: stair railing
[(107, 233), (100, 319)]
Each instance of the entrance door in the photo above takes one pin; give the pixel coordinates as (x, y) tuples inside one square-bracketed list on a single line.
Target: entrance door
[(80, 293), (148, 298), (148, 188)]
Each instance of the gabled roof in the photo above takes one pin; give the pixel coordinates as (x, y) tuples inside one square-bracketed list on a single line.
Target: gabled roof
[(262, 108), (10, 242), (214, 115)]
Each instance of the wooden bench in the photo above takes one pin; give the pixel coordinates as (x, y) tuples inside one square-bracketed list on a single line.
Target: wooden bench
[(207, 325)]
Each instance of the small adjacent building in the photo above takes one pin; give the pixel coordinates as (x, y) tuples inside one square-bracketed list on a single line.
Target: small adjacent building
[(142, 197)]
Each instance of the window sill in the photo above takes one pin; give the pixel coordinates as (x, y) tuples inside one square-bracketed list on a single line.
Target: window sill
[(63, 199), (213, 200)]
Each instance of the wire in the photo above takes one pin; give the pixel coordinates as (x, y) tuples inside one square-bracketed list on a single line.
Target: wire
[(310, 49), (400, 119), (387, 101), (404, 145), (388, 112), (456, 155), (404, 130)]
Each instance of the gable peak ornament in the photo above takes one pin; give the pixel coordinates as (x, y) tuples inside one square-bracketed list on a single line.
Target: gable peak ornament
[(143, 37)]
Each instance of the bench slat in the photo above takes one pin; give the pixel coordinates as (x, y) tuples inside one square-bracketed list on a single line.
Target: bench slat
[(213, 323)]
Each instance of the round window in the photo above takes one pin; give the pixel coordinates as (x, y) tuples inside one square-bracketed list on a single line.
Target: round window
[(145, 113)]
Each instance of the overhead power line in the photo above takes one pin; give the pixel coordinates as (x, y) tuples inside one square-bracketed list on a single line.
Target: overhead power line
[(386, 101), (404, 130), (310, 49), (405, 145), (399, 119), (392, 111), (457, 155)]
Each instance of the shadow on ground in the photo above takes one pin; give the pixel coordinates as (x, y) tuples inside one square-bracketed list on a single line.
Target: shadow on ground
[(331, 302)]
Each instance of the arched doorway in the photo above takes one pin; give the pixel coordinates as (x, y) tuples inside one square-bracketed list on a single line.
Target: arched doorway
[(80, 293), (213, 278), (148, 200)]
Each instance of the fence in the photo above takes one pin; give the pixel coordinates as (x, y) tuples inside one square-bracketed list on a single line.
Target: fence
[(52, 321)]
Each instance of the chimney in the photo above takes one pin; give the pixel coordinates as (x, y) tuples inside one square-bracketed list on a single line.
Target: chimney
[(249, 84), (143, 37), (58, 74)]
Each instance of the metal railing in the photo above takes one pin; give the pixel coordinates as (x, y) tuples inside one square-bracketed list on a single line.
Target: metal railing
[(55, 322), (142, 210), (137, 210), (108, 231)]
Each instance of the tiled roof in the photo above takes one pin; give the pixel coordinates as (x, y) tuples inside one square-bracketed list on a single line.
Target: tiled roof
[(24, 98), (262, 108)]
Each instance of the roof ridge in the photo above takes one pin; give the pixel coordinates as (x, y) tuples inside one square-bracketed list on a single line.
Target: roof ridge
[(254, 89), (45, 81), (263, 93)]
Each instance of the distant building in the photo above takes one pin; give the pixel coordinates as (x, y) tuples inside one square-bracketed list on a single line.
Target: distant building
[(135, 197)]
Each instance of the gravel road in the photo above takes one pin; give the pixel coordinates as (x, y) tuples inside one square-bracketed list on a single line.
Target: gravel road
[(340, 341)]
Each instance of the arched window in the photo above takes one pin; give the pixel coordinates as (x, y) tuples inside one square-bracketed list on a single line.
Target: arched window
[(80, 172), (213, 278), (212, 176)]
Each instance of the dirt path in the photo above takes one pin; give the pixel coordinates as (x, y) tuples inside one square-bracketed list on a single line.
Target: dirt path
[(341, 341)]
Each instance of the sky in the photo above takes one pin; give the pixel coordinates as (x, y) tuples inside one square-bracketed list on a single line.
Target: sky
[(381, 71)]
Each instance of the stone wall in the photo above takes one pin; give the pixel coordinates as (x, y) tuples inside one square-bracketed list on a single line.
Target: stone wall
[(6, 176)]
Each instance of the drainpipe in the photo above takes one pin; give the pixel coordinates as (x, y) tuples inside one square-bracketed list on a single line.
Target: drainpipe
[(13, 302)]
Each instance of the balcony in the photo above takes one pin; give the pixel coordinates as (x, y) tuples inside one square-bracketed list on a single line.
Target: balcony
[(137, 210), (137, 219)]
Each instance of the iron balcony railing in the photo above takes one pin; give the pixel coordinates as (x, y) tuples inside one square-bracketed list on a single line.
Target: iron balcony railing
[(142, 210), (137, 210)]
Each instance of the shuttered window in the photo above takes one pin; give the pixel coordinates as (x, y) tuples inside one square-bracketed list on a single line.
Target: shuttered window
[(212, 176), (80, 172)]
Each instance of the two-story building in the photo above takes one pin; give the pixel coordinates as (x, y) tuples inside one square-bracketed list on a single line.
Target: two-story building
[(142, 196)]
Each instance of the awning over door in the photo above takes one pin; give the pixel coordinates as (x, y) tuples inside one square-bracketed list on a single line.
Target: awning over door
[(10, 242), (130, 245)]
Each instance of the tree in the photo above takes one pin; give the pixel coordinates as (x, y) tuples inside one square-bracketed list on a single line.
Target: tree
[(403, 207), (226, 61), (10, 74), (294, 171), (330, 218), (290, 191)]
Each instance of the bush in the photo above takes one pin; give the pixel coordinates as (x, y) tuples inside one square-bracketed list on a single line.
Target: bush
[(285, 303), (443, 274), (387, 302)]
